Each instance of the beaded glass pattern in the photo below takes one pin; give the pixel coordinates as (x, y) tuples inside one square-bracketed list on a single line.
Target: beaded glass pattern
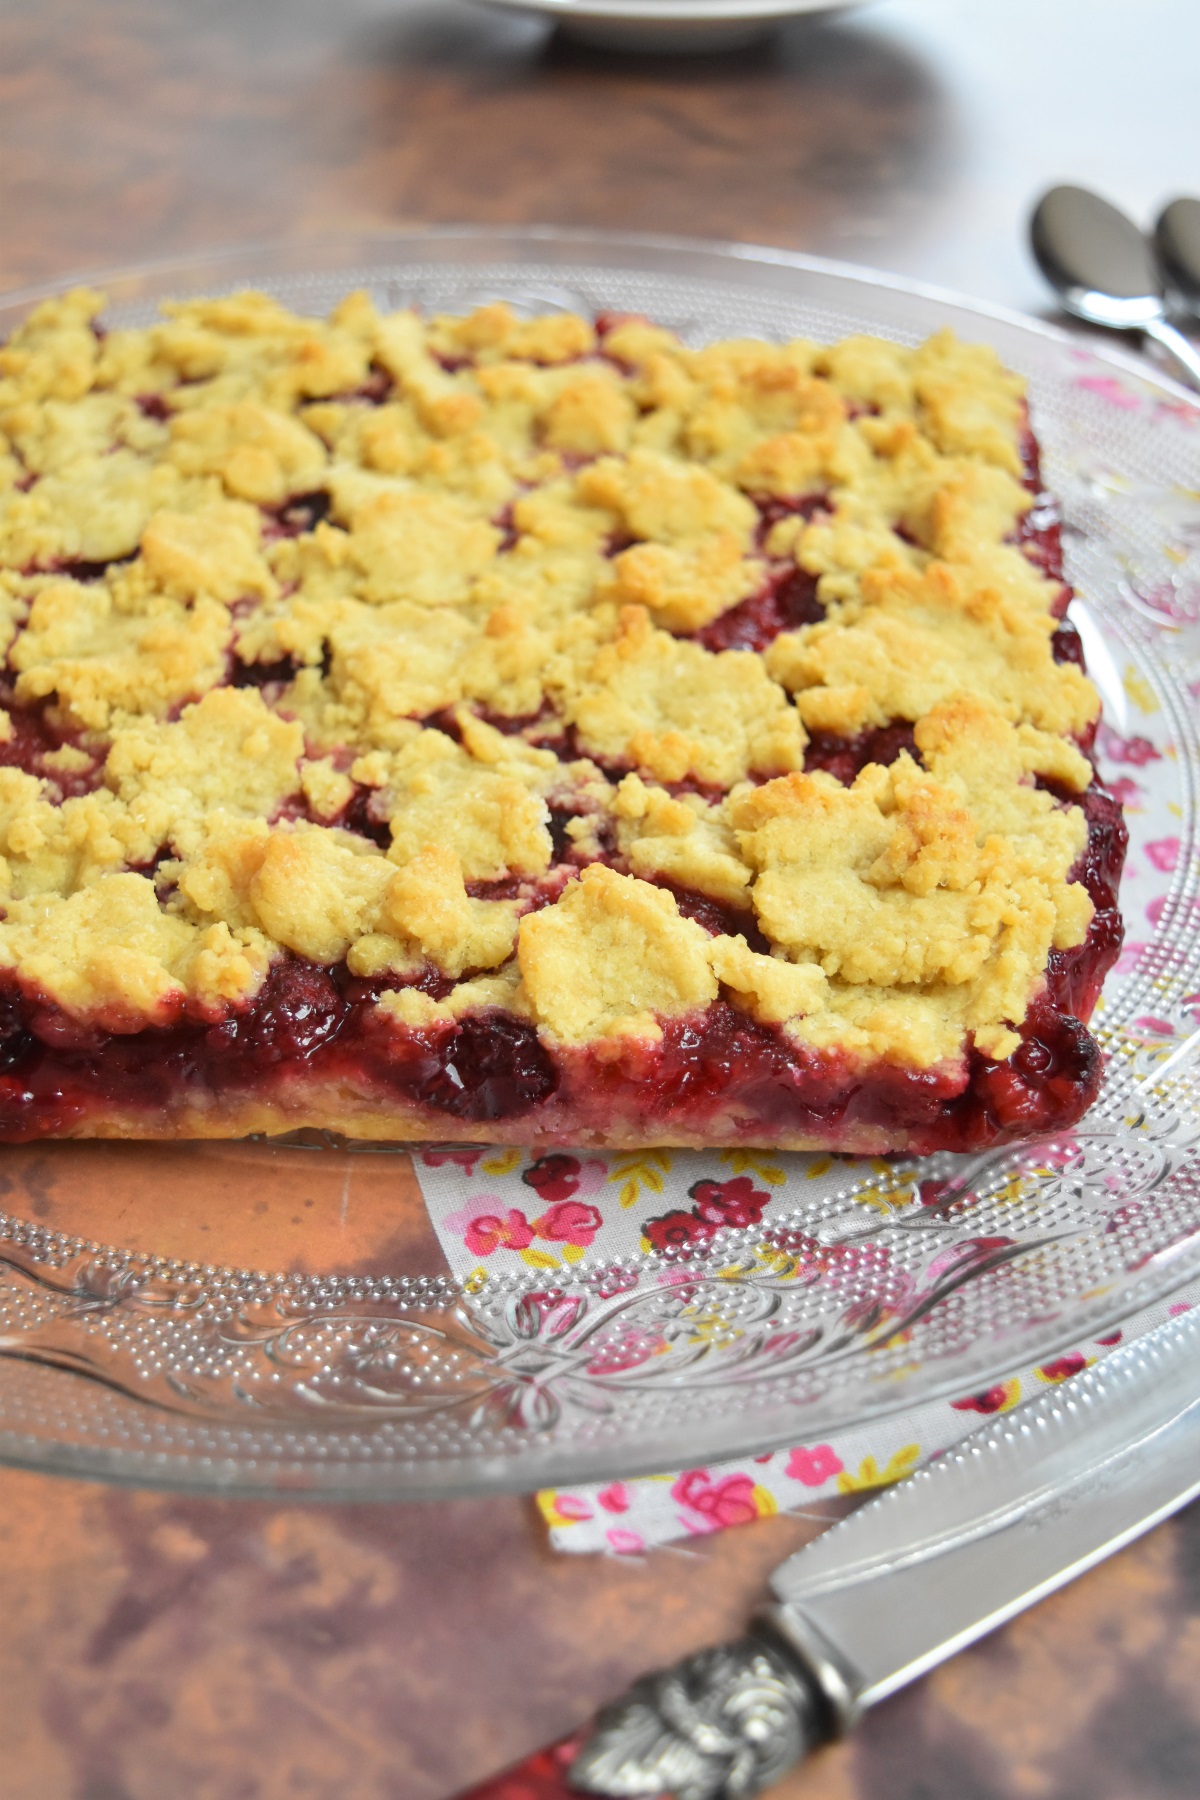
[(882, 1285)]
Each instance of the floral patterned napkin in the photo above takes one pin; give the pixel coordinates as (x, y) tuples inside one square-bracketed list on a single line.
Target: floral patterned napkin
[(497, 1209), (626, 1517), (492, 1207)]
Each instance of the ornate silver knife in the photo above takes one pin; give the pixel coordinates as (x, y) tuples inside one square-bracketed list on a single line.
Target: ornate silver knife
[(1019, 1509)]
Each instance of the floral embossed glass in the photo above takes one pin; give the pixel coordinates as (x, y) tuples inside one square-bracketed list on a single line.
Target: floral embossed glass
[(280, 1316)]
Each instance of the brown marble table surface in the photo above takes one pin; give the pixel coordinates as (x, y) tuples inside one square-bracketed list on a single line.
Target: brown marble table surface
[(163, 1648)]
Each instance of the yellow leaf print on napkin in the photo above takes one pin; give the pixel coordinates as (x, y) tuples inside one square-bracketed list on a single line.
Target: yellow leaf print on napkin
[(638, 1169), (1139, 690), (753, 1162), (870, 1475), (538, 1259), (502, 1162)]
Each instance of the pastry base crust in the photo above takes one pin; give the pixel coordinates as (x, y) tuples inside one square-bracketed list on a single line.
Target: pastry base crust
[(274, 1122), (338, 1114)]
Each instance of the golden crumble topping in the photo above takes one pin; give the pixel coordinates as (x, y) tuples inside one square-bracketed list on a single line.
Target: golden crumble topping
[(918, 639), (611, 958), (674, 709), (474, 654)]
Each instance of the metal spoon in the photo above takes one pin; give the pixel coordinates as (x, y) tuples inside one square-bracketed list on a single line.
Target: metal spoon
[(1177, 240), (1103, 271)]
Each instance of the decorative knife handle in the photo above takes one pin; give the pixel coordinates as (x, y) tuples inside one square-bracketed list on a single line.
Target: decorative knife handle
[(721, 1725)]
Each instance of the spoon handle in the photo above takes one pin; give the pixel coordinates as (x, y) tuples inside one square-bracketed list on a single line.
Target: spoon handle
[(1182, 352)]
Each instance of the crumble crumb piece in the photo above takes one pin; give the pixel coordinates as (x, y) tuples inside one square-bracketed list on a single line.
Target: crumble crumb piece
[(106, 662), (684, 841), (258, 452), (686, 588), (110, 953), (969, 402), (212, 551), (389, 665), (410, 1007), (495, 331), (676, 710), (490, 813), (327, 789), (589, 415), (921, 638), (418, 547), (428, 902), (772, 990), (228, 752), (665, 500), (611, 957), (315, 890)]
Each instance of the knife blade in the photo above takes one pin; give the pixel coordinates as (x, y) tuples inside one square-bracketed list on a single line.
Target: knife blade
[(1019, 1509)]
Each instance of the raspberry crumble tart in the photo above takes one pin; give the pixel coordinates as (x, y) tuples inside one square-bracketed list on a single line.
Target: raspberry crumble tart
[(536, 731)]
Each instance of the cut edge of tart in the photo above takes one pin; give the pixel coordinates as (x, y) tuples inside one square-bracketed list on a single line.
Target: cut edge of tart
[(537, 731)]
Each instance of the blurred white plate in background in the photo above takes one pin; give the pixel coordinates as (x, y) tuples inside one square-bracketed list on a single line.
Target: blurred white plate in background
[(685, 26)]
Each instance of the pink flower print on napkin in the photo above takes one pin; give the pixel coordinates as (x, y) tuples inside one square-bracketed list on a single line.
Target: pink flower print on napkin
[(1125, 790), (492, 1232), (996, 1399), (1136, 751), (558, 1176), (614, 1498), (715, 1504), (1062, 1368), (548, 1315), (568, 1222), (1163, 853), (555, 1177), (572, 1507), (1107, 387), (1130, 957), (1147, 1025), (611, 1282), (486, 1224), (625, 1543), (676, 1231), (436, 1156), (736, 1202), (1184, 410), (814, 1467)]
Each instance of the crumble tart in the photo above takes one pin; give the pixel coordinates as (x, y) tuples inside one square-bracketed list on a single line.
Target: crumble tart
[(536, 731)]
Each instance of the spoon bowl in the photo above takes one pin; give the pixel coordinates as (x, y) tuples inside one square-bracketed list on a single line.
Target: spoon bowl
[(1177, 241), (1095, 258), (1103, 270)]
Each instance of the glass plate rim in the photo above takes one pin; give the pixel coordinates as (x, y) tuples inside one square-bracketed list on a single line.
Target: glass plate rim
[(736, 251)]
